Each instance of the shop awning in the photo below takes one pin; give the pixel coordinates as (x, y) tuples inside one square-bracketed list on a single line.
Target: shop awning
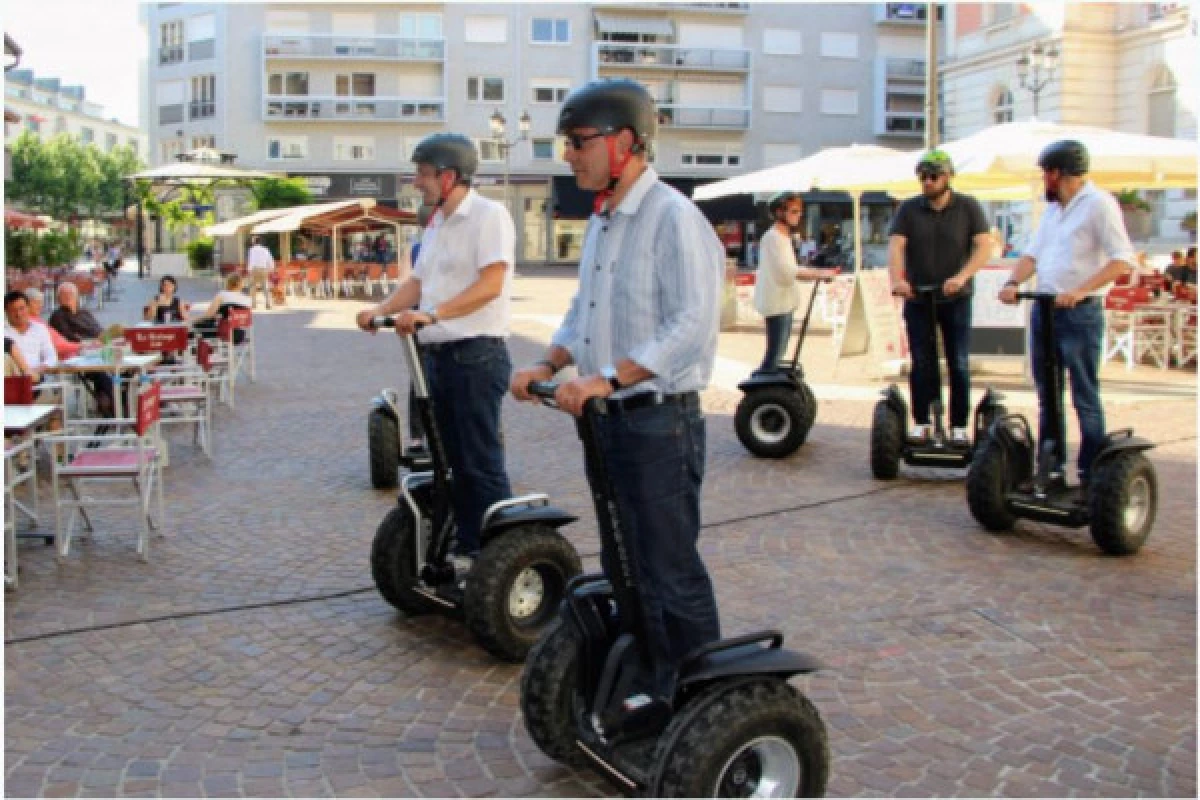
[(639, 26), (233, 226)]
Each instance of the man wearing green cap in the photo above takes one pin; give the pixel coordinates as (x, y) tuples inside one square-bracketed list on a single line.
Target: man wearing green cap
[(938, 238)]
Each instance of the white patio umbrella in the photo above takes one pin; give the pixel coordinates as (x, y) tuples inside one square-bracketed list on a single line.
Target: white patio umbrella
[(194, 171), (1003, 160)]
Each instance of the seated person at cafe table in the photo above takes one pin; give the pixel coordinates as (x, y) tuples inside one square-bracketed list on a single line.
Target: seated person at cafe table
[(166, 307), (205, 323), (1182, 270), (62, 346), (32, 341), (78, 325)]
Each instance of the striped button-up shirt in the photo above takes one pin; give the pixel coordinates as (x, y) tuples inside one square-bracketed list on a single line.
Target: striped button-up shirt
[(649, 291)]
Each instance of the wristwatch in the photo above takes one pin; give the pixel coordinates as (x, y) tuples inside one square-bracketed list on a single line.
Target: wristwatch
[(432, 314), (1012, 283), (610, 375)]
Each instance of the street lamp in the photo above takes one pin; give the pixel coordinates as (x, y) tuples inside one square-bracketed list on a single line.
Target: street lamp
[(499, 130), (1035, 69)]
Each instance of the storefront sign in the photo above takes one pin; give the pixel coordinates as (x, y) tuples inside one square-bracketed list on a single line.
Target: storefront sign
[(339, 186)]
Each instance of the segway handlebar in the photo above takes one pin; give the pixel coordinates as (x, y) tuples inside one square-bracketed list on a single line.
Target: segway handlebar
[(1037, 296), (544, 390), (927, 290), (389, 322)]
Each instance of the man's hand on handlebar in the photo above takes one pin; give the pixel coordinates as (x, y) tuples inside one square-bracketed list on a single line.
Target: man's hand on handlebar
[(407, 322), (519, 386), (1008, 295), (953, 285), (573, 395), (364, 320), (1069, 299), (902, 288)]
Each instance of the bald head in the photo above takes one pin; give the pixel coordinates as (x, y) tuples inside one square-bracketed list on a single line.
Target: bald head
[(68, 295)]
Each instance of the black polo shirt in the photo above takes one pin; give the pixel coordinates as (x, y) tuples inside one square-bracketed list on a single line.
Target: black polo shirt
[(938, 243)]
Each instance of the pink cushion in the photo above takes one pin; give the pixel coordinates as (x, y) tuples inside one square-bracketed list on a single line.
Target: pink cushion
[(123, 460), (181, 393)]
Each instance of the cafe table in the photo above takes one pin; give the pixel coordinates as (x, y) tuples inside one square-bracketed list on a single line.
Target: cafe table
[(20, 422), (129, 364)]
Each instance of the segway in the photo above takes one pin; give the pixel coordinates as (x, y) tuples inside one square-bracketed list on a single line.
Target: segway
[(520, 577), (890, 445), (386, 448), (734, 726), (778, 409), (1011, 477)]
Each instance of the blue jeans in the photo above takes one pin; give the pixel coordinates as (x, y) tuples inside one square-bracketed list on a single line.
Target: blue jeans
[(467, 382), (655, 461), (925, 379), (779, 329), (1079, 339)]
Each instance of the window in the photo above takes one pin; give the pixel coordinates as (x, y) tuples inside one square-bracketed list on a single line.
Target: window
[(204, 96), (287, 83), (998, 13), (543, 149), (353, 148), (133, 145), (1161, 107), (490, 151), (169, 96), (550, 92), (170, 149), (421, 26), (783, 99), (486, 30), (33, 123), (908, 12), (60, 124), (170, 42), (546, 30), (201, 36), (110, 141), (1002, 105), (782, 42), (485, 89), (204, 141), (87, 135), (287, 148), (839, 45), (355, 84), (707, 154), (840, 102)]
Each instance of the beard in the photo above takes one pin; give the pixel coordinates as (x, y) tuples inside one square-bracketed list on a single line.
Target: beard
[(933, 193), (1052, 195)]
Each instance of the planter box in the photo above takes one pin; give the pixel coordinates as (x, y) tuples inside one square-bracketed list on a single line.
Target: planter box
[(1138, 223)]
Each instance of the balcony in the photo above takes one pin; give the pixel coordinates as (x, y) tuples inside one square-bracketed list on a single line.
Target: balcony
[(202, 49), (903, 123), (716, 8), (905, 69), (903, 13), (201, 109), (170, 115), (325, 108), (670, 57), (172, 54), (723, 118), (352, 48)]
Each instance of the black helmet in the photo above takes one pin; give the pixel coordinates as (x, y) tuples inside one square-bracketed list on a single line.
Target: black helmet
[(782, 199), (1066, 155), (608, 106), (448, 151)]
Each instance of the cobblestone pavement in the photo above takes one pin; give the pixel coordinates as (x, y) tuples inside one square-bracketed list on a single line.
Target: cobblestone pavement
[(253, 657)]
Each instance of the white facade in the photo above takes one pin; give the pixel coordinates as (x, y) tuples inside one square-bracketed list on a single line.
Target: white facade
[(1130, 67), (48, 109)]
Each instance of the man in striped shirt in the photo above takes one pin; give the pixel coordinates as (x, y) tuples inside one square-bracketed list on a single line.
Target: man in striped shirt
[(642, 330)]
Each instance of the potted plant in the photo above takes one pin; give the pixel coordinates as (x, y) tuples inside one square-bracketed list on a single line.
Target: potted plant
[(1138, 213)]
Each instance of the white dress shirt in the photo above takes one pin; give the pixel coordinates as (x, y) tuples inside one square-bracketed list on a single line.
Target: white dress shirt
[(35, 344), (453, 251), (1074, 243), (775, 289), (649, 289), (259, 257)]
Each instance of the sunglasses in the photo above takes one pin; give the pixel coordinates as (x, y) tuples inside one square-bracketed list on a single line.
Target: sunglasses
[(578, 140), (928, 177)]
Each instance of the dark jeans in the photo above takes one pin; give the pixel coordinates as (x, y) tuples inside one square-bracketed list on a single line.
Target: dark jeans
[(467, 382), (655, 460), (779, 328), (925, 379), (100, 384), (1079, 339)]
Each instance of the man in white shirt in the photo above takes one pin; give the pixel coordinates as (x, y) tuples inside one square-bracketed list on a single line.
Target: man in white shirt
[(1080, 247), (32, 340), (462, 285), (260, 263)]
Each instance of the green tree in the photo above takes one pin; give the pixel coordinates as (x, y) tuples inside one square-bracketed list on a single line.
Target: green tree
[(280, 193)]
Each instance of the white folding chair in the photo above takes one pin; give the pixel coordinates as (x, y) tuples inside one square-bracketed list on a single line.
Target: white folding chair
[(20, 467), (185, 393), (108, 459)]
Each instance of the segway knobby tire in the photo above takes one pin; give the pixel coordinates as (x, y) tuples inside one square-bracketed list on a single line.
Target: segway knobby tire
[(1124, 502), (394, 562), (988, 484), (887, 442), (383, 447), (740, 733), (772, 422), (810, 410), (549, 693), (516, 587)]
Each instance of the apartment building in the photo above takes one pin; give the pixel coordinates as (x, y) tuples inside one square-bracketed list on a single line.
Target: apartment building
[(340, 93), (1125, 66), (48, 108)]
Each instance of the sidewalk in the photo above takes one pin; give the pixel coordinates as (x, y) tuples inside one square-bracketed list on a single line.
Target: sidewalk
[(252, 656)]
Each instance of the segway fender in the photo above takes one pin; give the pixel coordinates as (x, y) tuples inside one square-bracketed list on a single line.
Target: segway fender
[(385, 405), (742, 656), (895, 401), (766, 380), (505, 519), (1121, 442)]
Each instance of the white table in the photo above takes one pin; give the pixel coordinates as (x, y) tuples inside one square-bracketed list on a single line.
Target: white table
[(129, 364), (21, 422)]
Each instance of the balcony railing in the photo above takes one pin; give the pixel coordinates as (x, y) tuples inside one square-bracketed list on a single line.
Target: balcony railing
[(199, 109), (324, 108), (170, 55), (902, 68), (170, 115), (202, 49), (914, 13), (338, 46), (728, 118), (904, 123), (719, 8), (665, 56)]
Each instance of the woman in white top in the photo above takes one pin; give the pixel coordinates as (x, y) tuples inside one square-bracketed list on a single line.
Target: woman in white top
[(775, 292), (205, 323)]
